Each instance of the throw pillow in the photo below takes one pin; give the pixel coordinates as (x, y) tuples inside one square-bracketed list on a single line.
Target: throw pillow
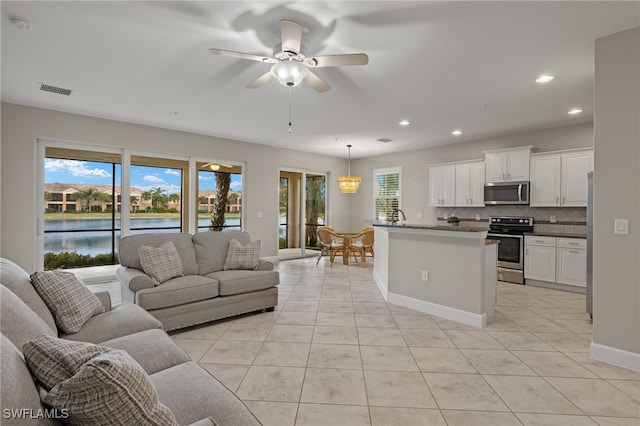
[(68, 299), (161, 263), (94, 385), (242, 257)]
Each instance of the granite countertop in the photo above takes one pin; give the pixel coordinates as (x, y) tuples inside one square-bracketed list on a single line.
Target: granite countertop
[(556, 234), (430, 227)]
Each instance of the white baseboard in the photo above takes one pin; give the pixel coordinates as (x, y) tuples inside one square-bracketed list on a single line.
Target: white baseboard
[(615, 356), (381, 287), (453, 314)]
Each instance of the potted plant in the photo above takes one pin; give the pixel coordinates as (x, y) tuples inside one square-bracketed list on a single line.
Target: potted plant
[(453, 220)]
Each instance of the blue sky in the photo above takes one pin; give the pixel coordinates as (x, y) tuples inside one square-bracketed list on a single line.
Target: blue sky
[(142, 177)]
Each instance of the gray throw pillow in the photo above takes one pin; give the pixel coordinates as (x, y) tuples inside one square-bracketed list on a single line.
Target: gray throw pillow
[(94, 385), (242, 257), (68, 299), (161, 263)]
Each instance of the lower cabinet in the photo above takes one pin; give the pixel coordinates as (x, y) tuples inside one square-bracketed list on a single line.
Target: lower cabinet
[(540, 258), (556, 260)]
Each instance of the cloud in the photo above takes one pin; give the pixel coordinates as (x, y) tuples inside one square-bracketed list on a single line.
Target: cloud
[(203, 177), (153, 179), (75, 168), (236, 186), (172, 172)]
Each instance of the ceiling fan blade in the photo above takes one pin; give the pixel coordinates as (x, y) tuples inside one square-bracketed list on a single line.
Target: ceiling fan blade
[(316, 82), (240, 55), (291, 36), (337, 60), (264, 78)]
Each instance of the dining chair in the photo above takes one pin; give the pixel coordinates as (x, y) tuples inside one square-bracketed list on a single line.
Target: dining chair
[(330, 244), (362, 243)]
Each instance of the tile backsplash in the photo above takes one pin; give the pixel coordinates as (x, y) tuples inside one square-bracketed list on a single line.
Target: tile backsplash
[(569, 220)]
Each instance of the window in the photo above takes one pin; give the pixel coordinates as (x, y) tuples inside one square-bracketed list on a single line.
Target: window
[(386, 192), (81, 227), (219, 197)]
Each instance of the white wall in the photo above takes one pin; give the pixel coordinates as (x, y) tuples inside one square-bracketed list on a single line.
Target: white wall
[(415, 173), (22, 126), (616, 266)]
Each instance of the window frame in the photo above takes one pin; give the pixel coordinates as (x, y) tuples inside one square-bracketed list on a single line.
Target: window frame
[(386, 171)]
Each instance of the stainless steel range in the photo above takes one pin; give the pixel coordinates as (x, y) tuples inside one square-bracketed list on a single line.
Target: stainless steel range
[(510, 232)]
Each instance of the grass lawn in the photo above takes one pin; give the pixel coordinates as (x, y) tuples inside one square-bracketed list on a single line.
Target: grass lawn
[(107, 215)]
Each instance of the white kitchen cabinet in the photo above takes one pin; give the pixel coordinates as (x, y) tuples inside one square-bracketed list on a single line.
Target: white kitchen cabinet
[(571, 261), (560, 179), (575, 167), (442, 182), (544, 188), (469, 184), (540, 258), (507, 165)]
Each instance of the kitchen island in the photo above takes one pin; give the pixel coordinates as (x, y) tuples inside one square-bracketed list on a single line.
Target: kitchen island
[(448, 271)]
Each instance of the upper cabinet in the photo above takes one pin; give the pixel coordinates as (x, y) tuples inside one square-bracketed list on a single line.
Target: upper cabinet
[(470, 184), (442, 181), (505, 165), (559, 179)]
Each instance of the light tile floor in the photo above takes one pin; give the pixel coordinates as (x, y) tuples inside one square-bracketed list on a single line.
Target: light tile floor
[(334, 353)]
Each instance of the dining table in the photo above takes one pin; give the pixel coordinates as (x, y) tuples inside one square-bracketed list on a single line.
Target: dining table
[(346, 240)]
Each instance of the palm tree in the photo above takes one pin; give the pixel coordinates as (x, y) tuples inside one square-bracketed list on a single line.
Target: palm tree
[(202, 200), (173, 198), (223, 183), (158, 197), (88, 195), (314, 206), (133, 200)]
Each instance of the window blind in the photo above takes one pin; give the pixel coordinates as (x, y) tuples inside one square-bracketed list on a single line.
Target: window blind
[(386, 193)]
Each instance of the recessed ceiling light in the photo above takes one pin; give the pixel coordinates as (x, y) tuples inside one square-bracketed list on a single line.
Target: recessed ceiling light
[(456, 132), (384, 140), (575, 111), (404, 122), (545, 78)]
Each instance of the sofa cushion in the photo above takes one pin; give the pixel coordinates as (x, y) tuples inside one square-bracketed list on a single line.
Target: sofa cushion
[(96, 385), (120, 321), (128, 249), (211, 248), (160, 263), (178, 291), (17, 388), (18, 281), (68, 299), (175, 389), (153, 349), (242, 257), (236, 282), (19, 323)]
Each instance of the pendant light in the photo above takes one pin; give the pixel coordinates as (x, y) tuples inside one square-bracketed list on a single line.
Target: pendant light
[(349, 184)]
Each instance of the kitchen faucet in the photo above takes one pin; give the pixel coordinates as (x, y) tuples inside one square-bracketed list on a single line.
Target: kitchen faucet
[(394, 215)]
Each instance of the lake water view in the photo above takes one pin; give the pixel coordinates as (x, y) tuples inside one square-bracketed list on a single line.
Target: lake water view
[(98, 239)]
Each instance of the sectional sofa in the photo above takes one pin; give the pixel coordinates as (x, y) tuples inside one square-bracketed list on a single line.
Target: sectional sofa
[(125, 344)]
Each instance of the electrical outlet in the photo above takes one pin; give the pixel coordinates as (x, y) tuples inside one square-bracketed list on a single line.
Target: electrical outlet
[(425, 275), (419, 215), (552, 219), (478, 216), (260, 214), (621, 226)]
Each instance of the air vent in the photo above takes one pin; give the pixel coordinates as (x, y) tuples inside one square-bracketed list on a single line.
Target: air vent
[(54, 89), (384, 140)]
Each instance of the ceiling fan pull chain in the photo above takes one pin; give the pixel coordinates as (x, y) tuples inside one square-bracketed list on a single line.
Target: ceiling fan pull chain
[(289, 110)]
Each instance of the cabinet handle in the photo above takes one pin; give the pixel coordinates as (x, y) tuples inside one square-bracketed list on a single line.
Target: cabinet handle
[(504, 176), (557, 200), (573, 244), (564, 199), (574, 252), (526, 252)]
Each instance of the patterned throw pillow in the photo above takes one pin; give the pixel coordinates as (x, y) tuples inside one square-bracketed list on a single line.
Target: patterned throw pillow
[(94, 385), (68, 299), (242, 257), (161, 263)]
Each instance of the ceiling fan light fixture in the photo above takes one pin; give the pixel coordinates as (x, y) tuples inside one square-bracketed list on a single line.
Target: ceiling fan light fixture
[(289, 73), (349, 184), (214, 167)]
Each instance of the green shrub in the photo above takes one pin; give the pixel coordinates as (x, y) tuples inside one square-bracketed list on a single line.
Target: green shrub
[(73, 259)]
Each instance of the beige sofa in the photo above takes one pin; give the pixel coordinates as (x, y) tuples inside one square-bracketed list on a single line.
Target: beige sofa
[(206, 292), (189, 391)]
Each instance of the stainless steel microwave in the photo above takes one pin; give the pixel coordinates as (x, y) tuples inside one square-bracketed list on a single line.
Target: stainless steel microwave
[(506, 193)]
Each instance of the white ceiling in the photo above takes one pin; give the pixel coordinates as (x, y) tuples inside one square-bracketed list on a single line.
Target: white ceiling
[(442, 65)]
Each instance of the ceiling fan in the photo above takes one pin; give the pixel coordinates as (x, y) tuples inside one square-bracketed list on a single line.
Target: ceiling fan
[(291, 64), (216, 166)]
